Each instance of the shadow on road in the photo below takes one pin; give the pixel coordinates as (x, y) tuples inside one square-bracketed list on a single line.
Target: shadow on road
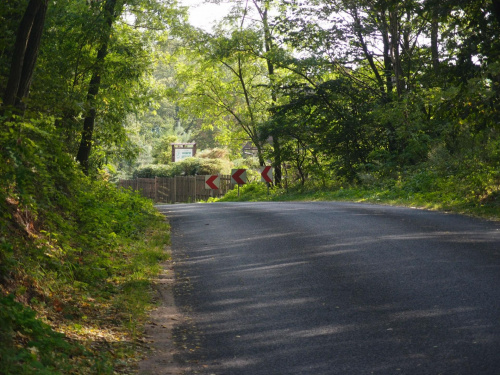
[(336, 289)]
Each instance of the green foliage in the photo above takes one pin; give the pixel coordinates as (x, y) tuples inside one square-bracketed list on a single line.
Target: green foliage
[(255, 191), (384, 115), (324, 127), (162, 150), (476, 193), (246, 163), (74, 34), (214, 153), (30, 346), (66, 239), (185, 167), (206, 162), (153, 170), (227, 87)]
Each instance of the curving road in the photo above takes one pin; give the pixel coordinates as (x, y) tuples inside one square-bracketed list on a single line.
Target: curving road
[(326, 288)]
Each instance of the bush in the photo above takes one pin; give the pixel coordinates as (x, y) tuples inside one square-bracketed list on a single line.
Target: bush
[(256, 191), (29, 346), (154, 170), (185, 167)]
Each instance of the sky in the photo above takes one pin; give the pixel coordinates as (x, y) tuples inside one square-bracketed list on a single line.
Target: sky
[(203, 15)]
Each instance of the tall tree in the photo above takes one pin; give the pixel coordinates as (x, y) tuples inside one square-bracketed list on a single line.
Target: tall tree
[(25, 54), (228, 84), (110, 14), (129, 32), (263, 8)]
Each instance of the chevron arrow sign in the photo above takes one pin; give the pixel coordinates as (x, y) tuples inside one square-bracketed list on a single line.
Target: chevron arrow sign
[(212, 182), (266, 174), (239, 176)]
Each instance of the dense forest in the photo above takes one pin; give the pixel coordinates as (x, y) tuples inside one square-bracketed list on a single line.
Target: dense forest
[(400, 96)]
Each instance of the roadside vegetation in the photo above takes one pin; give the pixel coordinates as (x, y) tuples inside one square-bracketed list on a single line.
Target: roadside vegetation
[(453, 186), (76, 261)]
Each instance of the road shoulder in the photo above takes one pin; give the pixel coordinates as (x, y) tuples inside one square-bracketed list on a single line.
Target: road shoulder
[(159, 331)]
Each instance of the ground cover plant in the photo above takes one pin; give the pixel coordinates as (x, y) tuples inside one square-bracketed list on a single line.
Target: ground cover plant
[(76, 260)]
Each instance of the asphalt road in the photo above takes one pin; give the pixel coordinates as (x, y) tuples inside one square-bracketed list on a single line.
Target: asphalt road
[(327, 288)]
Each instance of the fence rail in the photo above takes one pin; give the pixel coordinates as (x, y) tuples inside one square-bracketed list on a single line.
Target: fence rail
[(177, 189)]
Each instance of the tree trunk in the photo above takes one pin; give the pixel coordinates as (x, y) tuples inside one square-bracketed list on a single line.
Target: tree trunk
[(268, 43), (89, 122), (260, 156), (32, 52), (388, 69), (434, 41), (394, 51), (277, 161), (85, 148), (366, 52), (25, 53)]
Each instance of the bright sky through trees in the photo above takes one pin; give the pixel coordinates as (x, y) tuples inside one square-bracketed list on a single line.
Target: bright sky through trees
[(203, 14)]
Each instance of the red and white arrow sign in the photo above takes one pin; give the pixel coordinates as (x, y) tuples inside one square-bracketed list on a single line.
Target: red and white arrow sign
[(212, 182), (239, 176), (266, 174)]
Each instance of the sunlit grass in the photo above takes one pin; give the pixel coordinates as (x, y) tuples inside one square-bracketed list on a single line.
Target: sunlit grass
[(445, 195)]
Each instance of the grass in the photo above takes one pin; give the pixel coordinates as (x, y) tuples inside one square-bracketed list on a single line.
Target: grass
[(74, 297), (471, 195), (84, 328)]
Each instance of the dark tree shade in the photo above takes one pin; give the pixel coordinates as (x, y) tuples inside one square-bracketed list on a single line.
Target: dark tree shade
[(25, 53)]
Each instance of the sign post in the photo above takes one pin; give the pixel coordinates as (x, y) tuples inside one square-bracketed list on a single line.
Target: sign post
[(182, 151), (239, 177)]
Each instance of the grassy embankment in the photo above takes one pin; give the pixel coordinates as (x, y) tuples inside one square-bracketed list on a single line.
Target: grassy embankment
[(77, 257), (472, 189)]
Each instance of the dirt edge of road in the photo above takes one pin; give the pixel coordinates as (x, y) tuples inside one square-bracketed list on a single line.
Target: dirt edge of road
[(159, 331)]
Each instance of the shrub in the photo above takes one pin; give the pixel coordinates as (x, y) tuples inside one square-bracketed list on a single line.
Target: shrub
[(185, 167), (256, 191), (154, 170)]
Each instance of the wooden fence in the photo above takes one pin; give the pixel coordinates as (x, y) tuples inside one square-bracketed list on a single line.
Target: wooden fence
[(177, 189)]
